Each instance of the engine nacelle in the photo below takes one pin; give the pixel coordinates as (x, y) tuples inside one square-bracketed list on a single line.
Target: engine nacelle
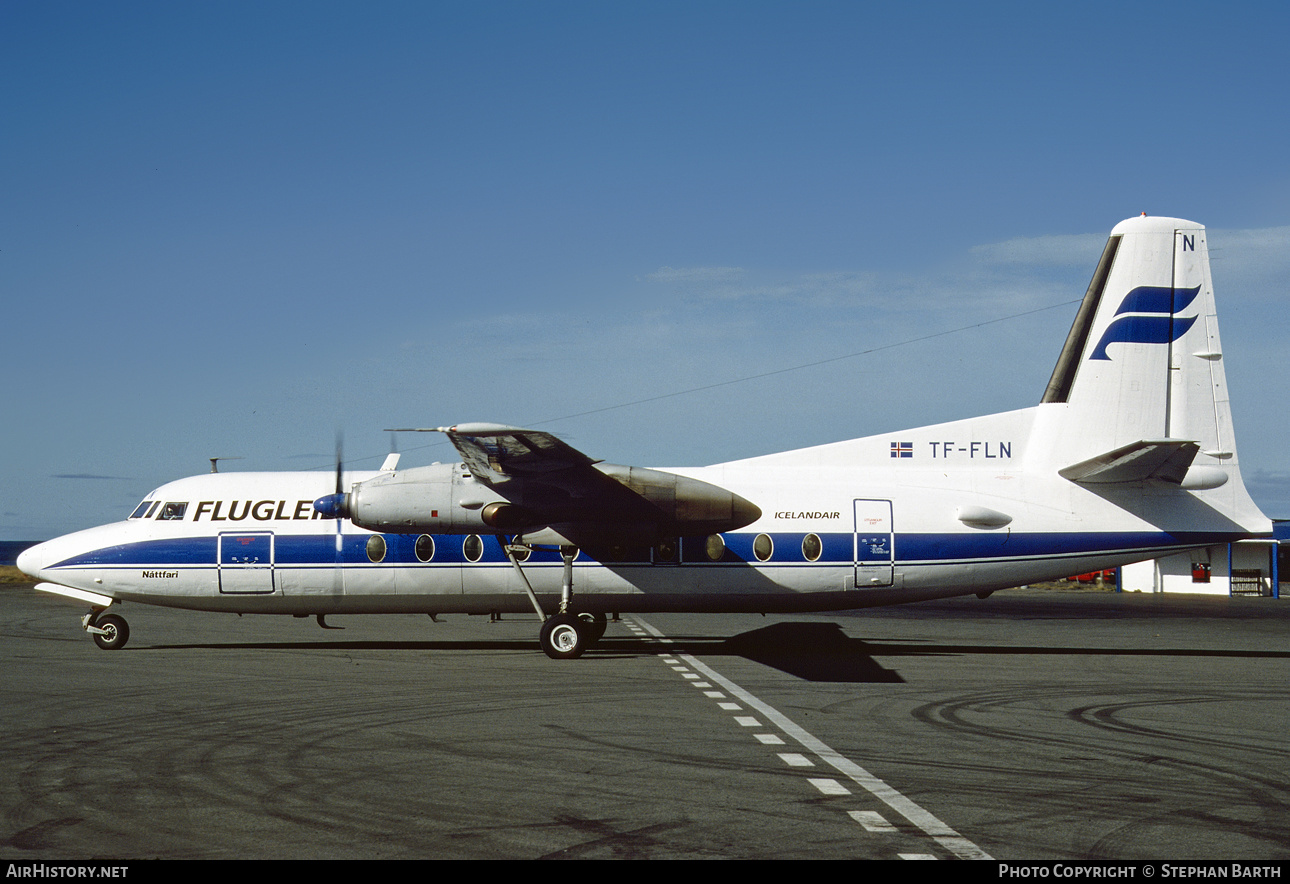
[(438, 499), (622, 502)]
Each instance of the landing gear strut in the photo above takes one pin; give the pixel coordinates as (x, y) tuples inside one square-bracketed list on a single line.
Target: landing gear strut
[(564, 635)]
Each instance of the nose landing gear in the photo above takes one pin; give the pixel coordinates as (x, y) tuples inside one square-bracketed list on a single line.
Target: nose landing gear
[(110, 631)]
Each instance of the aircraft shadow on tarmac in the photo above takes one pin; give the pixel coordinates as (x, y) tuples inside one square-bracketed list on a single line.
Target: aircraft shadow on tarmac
[(812, 651), (823, 652)]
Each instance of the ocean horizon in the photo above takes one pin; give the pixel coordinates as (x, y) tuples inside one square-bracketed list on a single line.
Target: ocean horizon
[(9, 550)]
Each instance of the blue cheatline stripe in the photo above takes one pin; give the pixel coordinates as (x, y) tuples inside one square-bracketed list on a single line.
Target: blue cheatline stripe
[(838, 549)]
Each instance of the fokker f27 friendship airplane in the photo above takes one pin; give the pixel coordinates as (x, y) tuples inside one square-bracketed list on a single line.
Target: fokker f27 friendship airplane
[(1129, 455)]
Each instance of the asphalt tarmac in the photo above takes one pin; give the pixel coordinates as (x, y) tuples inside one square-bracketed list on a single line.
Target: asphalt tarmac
[(1031, 725)]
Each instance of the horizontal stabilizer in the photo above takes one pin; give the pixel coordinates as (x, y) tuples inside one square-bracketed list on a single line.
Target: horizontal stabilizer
[(1165, 459)]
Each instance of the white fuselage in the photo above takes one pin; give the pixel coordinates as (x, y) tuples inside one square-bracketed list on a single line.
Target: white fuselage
[(947, 510)]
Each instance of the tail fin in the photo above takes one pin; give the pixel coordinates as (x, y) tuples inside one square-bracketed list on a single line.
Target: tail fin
[(1141, 375)]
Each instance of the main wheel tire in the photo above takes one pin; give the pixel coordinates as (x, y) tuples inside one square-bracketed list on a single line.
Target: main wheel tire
[(561, 638), (116, 632), (592, 627)]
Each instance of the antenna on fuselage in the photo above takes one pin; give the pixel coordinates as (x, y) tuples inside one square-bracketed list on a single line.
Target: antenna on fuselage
[(215, 460)]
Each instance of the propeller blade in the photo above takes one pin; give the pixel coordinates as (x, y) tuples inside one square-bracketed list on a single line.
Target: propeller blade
[(336, 504), (340, 445)]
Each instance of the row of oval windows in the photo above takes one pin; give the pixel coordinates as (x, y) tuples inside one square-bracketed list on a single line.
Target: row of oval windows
[(472, 547)]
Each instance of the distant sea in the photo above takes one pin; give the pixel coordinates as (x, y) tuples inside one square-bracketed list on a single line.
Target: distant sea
[(9, 549)]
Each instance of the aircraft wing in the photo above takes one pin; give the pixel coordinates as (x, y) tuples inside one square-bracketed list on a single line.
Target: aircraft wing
[(550, 480), (493, 451), (547, 482)]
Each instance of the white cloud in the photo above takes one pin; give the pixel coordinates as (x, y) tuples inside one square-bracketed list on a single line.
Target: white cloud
[(696, 275), (990, 280), (1016, 275), (1252, 264), (1271, 491), (1068, 250), (1269, 242)]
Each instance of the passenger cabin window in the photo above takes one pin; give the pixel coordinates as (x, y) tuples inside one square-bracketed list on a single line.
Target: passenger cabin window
[(665, 551), (172, 512), (715, 547), (473, 548), (424, 548)]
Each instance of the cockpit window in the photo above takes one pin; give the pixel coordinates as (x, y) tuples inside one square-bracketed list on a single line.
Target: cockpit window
[(172, 512), (145, 509)]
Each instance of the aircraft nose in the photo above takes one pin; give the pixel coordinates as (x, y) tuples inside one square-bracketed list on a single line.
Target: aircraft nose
[(31, 560)]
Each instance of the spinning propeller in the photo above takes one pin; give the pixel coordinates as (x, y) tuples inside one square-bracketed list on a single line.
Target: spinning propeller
[(335, 505)]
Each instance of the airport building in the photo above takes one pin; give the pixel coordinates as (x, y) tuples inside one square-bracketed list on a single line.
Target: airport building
[(1247, 567)]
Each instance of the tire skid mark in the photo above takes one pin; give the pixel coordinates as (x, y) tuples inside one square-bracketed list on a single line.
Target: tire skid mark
[(1103, 761)]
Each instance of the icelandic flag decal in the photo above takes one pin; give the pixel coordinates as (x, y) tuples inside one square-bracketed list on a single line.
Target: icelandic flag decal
[(902, 449)]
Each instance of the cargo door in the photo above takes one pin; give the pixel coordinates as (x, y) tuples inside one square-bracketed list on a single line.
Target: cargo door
[(246, 562)]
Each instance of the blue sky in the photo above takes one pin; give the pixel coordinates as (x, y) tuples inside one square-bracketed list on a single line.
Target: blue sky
[(233, 228)]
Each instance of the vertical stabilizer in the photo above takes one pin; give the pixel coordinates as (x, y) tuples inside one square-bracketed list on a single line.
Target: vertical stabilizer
[(1139, 391), (1143, 359)]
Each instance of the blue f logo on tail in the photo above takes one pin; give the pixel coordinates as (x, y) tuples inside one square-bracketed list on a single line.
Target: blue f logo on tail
[(1154, 323)]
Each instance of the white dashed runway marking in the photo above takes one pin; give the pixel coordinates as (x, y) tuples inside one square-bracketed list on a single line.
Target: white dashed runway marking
[(872, 821)]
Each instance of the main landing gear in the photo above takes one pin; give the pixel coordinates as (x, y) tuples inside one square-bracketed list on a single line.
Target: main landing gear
[(564, 635), (110, 631), (560, 637)]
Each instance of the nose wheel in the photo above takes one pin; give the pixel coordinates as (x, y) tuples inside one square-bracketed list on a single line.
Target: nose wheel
[(110, 631)]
